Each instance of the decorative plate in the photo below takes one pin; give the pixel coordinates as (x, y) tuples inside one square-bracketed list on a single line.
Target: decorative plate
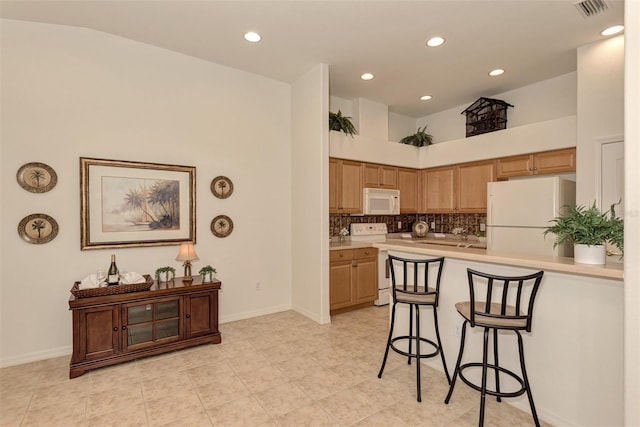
[(221, 226), (38, 228), (221, 187), (36, 177), (420, 228)]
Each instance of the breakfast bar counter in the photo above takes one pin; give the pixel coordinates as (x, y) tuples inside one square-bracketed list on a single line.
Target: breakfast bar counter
[(574, 354), (612, 270)]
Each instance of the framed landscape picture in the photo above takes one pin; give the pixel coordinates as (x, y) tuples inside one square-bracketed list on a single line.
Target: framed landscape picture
[(129, 204)]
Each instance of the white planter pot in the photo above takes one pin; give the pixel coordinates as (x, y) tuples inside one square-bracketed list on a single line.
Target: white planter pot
[(586, 254), (165, 277), (208, 277)]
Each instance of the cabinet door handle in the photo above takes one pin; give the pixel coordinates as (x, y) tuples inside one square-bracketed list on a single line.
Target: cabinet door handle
[(124, 328), (115, 329), (188, 316), (341, 255), (354, 265), (366, 252)]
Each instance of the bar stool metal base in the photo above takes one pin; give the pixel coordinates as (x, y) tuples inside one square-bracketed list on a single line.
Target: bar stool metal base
[(410, 339), (521, 380)]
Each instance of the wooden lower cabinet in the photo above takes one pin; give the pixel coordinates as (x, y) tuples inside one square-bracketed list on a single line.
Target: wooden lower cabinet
[(353, 279), (118, 328)]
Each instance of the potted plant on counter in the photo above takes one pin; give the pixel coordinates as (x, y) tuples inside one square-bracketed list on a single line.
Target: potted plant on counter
[(419, 139), (208, 273), (341, 123), (590, 230), (165, 274)]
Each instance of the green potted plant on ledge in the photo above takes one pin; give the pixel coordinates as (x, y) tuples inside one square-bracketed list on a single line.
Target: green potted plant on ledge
[(165, 274), (419, 139), (207, 273), (590, 230), (341, 123)]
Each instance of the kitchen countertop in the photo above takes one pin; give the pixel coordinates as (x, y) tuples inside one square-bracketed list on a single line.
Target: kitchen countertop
[(612, 270)]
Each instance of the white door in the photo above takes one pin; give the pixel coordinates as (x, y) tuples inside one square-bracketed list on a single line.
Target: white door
[(612, 179), (612, 182)]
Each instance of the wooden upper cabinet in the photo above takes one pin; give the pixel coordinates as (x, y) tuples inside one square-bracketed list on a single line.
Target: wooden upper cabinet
[(408, 186), (556, 161), (345, 186), (380, 176), (460, 188), (438, 189), (472, 185)]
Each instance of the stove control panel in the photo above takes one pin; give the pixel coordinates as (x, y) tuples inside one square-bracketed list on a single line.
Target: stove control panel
[(368, 229)]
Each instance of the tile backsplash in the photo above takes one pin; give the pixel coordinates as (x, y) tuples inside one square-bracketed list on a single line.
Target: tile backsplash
[(444, 222)]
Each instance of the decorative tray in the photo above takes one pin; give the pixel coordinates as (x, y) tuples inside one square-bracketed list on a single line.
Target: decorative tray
[(112, 290)]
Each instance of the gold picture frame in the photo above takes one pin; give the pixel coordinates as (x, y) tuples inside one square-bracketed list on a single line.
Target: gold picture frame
[(38, 228), (132, 204)]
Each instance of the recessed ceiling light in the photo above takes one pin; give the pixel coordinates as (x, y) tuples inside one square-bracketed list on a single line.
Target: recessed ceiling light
[(425, 97), (612, 30), (496, 72), (435, 41), (366, 76), (252, 37)]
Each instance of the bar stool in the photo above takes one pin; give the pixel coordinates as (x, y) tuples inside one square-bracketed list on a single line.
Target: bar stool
[(510, 308), (419, 286)]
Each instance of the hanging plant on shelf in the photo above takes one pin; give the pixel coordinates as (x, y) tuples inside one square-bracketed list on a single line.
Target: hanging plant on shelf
[(341, 123), (419, 139)]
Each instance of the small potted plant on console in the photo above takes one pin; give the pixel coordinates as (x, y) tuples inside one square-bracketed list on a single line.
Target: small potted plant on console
[(165, 274), (208, 273)]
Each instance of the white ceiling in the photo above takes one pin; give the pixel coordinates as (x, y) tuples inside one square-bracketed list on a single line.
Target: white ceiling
[(533, 40)]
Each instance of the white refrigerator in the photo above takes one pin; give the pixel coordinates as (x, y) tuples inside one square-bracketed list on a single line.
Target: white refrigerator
[(518, 212)]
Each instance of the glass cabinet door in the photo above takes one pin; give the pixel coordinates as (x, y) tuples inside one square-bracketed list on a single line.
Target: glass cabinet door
[(148, 323)]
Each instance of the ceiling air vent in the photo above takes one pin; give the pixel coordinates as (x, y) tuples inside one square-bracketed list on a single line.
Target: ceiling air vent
[(589, 8)]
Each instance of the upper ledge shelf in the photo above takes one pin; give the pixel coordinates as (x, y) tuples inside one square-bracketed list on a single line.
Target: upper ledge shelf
[(534, 137)]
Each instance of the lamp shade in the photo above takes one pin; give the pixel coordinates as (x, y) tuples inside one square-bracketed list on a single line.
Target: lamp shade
[(187, 253)]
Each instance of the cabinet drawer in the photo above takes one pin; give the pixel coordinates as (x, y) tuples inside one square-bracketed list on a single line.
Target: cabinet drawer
[(365, 253), (341, 255)]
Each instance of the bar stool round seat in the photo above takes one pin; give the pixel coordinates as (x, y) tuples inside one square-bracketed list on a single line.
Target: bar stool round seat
[(513, 310), (410, 280)]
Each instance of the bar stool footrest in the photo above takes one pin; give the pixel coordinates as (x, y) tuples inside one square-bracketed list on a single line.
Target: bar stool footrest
[(413, 338), (489, 391)]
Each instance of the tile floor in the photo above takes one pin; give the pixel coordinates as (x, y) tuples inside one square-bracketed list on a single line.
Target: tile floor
[(277, 370)]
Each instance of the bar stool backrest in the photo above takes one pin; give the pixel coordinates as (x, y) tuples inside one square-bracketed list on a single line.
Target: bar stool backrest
[(510, 299), (415, 277)]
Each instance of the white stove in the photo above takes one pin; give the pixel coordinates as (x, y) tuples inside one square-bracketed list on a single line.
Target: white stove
[(375, 232)]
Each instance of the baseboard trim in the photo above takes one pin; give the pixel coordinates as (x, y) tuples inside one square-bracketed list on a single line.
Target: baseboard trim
[(36, 356), (254, 313)]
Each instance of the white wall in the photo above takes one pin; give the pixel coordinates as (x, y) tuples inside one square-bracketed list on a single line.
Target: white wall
[(632, 214), (546, 100), (310, 198), (401, 126), (600, 110), (71, 92)]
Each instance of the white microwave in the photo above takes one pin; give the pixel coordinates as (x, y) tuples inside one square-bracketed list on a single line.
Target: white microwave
[(378, 201)]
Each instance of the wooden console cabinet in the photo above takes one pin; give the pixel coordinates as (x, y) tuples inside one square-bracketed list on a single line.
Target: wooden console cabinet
[(118, 328)]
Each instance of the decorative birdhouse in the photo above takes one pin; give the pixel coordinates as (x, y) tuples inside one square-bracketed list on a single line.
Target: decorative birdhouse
[(486, 115)]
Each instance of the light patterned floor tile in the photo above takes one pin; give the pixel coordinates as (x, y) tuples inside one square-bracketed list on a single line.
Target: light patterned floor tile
[(283, 399), (243, 412), (308, 415), (276, 370)]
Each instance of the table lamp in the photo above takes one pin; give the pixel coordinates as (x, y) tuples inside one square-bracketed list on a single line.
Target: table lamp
[(187, 254)]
